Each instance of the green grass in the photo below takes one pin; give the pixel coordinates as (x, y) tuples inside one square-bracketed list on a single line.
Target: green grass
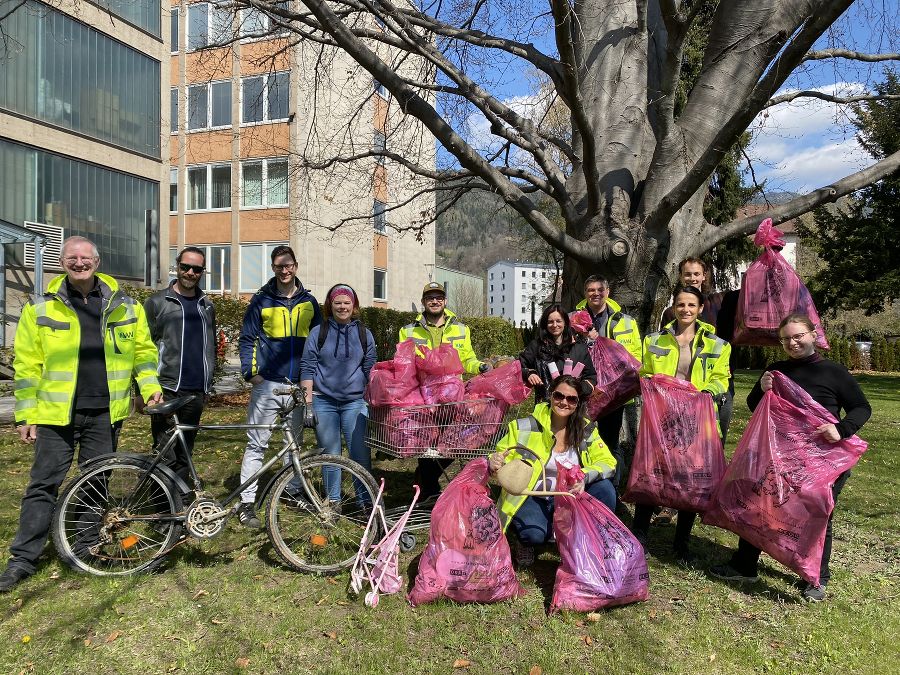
[(228, 599)]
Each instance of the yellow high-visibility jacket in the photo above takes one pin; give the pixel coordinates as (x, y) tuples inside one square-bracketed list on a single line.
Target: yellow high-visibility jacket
[(47, 347), (621, 327), (455, 333), (710, 358), (534, 433)]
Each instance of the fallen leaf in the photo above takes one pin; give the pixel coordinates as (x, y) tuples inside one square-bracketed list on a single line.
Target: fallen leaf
[(330, 634), (217, 622), (535, 670), (588, 640), (462, 663), (652, 614), (172, 668), (332, 581), (113, 636), (18, 603), (321, 602), (55, 575), (593, 616), (242, 662), (579, 623), (712, 657), (676, 601), (87, 642), (200, 594), (343, 603)]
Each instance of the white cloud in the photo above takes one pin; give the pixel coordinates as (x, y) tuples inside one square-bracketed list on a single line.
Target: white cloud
[(807, 143)]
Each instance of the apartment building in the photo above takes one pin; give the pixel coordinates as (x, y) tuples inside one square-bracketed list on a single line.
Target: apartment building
[(81, 150), (241, 115), (518, 291)]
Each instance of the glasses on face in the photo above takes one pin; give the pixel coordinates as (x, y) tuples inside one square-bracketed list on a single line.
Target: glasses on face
[(73, 260), (793, 338), (434, 298), (559, 397), (196, 269), (287, 267)]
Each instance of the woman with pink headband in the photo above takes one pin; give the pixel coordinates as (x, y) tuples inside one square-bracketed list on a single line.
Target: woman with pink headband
[(337, 359)]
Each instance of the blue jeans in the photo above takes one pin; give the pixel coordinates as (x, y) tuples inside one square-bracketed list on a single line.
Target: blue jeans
[(348, 418), (533, 521)]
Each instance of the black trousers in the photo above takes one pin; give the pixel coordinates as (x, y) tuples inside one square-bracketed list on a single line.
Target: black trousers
[(643, 513), (610, 427), (189, 414), (54, 450), (746, 558)]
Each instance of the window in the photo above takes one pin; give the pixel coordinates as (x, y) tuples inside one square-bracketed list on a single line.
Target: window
[(264, 98), (492, 301), (524, 298), (218, 268), (533, 287), (492, 286), (174, 28), (379, 145), (207, 25), (264, 182), (492, 310), (502, 287), (209, 105), (502, 298), (173, 110), (492, 276), (523, 273), (533, 274), (173, 190), (543, 275), (524, 285), (524, 310), (255, 259), (256, 24), (379, 287), (379, 218), (503, 275), (380, 89), (209, 187)]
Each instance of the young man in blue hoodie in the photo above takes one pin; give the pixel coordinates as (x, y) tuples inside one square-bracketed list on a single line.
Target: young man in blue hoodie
[(273, 335)]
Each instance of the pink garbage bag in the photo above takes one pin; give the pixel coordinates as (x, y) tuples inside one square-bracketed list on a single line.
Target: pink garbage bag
[(503, 383), (602, 564), (770, 291), (394, 382), (467, 558), (440, 375), (581, 322), (476, 424), (407, 431), (617, 377), (776, 493), (678, 458)]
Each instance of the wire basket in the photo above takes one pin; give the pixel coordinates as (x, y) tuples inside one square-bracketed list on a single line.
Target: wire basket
[(464, 429)]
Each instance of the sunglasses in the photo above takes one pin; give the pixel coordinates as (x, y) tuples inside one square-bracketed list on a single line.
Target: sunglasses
[(559, 397), (196, 269)]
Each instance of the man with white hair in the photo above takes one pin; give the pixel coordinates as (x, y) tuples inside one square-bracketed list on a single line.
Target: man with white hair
[(78, 348)]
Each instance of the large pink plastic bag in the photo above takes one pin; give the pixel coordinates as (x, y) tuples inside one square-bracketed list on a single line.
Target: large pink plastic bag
[(678, 458), (394, 382), (467, 557), (475, 425), (770, 291), (776, 493), (408, 431), (439, 373), (581, 322), (503, 383), (602, 564), (617, 377)]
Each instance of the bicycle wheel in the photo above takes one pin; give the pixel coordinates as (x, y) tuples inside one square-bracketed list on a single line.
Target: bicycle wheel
[(115, 519), (323, 539)]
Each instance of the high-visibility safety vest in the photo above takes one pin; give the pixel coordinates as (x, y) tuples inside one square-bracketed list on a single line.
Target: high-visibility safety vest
[(455, 333), (534, 433), (48, 344), (710, 357), (621, 327)]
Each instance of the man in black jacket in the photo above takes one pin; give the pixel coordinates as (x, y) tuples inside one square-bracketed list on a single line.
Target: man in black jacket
[(183, 326)]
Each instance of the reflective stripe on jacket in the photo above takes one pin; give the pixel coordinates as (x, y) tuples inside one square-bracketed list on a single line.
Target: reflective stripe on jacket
[(534, 433), (455, 333), (621, 327), (48, 345), (710, 356)]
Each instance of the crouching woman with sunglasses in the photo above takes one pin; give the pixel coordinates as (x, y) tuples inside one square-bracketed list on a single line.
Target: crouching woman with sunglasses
[(556, 433)]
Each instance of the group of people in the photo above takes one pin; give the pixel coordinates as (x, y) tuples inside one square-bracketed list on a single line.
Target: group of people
[(82, 345)]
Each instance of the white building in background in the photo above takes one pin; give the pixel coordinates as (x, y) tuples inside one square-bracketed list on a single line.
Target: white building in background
[(516, 291)]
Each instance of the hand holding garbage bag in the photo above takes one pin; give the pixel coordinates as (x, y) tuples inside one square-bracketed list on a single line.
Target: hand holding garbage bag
[(603, 565), (776, 493), (467, 558)]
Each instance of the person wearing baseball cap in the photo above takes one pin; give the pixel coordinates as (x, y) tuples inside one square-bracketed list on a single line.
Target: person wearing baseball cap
[(437, 325)]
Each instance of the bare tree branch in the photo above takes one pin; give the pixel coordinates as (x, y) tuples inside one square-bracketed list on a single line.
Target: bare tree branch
[(848, 54), (812, 93)]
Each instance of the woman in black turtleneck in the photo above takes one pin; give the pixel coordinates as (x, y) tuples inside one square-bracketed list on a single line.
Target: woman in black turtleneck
[(835, 389)]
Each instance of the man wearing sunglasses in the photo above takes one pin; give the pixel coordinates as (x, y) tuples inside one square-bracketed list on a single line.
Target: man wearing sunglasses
[(183, 326), (276, 325)]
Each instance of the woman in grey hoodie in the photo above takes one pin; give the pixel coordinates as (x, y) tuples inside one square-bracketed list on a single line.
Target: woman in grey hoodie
[(335, 371)]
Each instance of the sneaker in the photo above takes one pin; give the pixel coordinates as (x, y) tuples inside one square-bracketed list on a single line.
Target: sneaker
[(666, 516), (12, 577), (247, 516), (684, 556), (728, 573), (524, 555), (814, 593)]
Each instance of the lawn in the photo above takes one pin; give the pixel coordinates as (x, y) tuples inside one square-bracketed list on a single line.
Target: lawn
[(227, 605)]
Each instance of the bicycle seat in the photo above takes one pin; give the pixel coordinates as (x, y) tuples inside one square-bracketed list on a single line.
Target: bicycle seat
[(169, 407)]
